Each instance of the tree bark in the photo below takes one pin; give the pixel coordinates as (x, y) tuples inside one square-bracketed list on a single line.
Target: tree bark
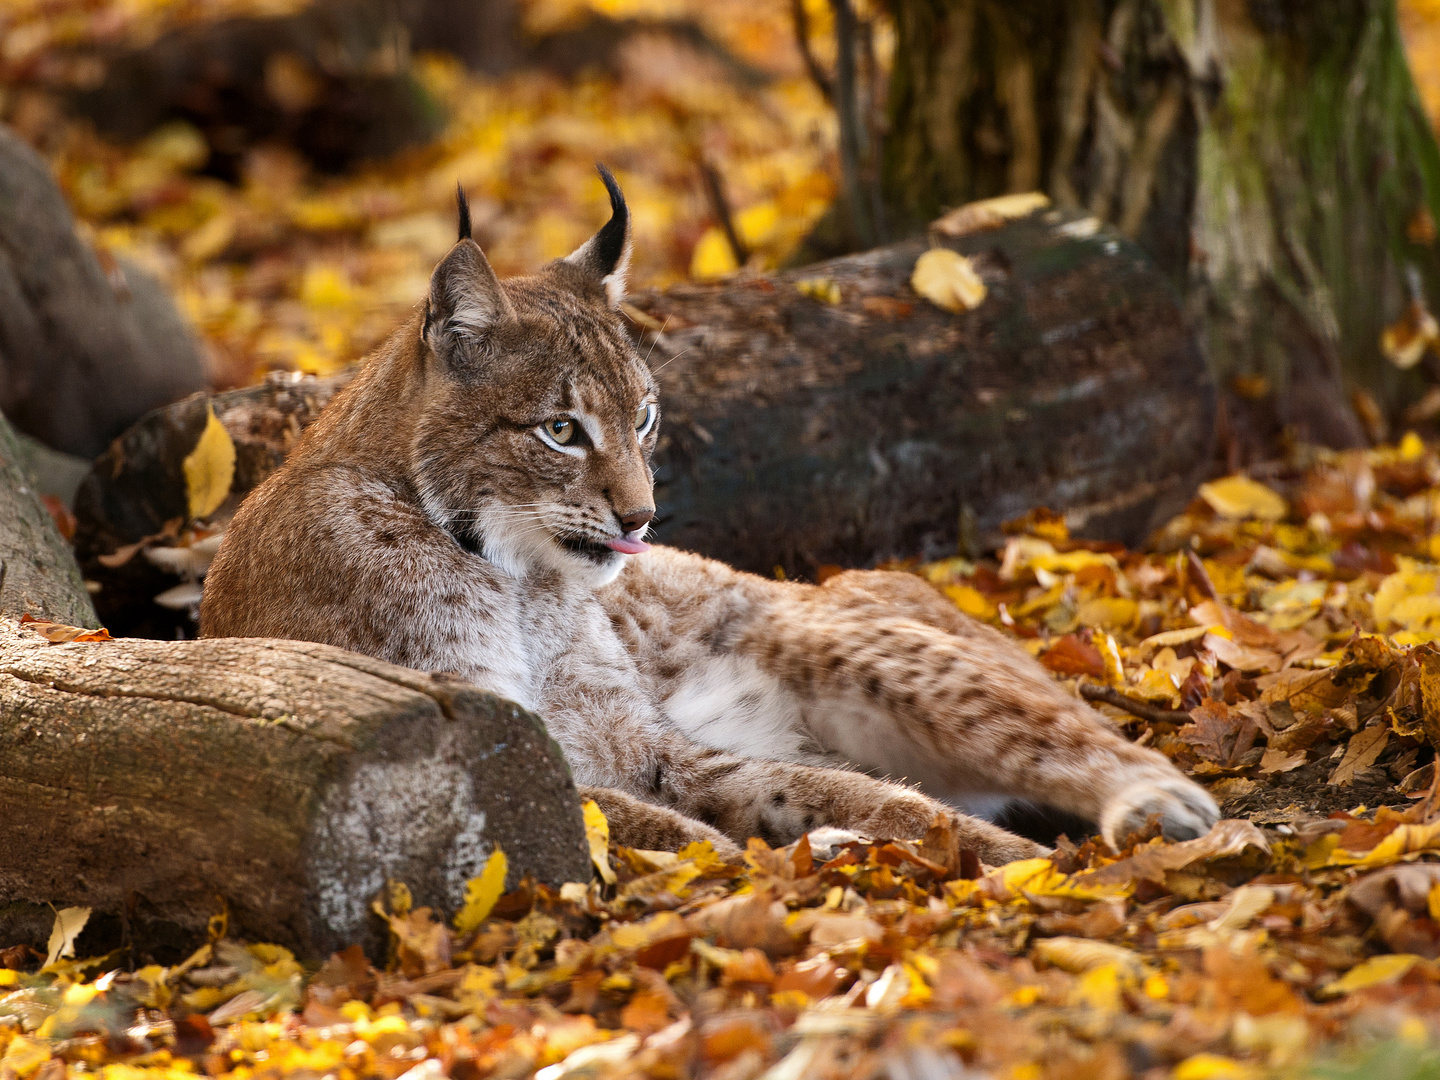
[(799, 433), (1270, 156), (38, 574), (285, 782)]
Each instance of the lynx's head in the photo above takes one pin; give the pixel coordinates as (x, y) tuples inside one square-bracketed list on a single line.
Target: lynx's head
[(539, 416)]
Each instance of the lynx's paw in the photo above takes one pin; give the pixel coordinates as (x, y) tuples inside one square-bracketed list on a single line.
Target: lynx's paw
[(1186, 810)]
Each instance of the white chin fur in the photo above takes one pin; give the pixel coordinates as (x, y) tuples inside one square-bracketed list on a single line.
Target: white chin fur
[(519, 547)]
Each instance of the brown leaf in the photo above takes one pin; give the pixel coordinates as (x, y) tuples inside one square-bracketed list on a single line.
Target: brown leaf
[(1246, 630), (1281, 761), (1361, 753), (1244, 658), (1229, 837), (1073, 656), (56, 633), (1218, 733)]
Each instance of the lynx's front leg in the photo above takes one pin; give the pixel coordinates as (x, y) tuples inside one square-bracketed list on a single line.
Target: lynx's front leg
[(778, 801), (900, 683)]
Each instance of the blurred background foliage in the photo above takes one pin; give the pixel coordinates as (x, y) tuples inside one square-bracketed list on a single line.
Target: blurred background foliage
[(288, 166)]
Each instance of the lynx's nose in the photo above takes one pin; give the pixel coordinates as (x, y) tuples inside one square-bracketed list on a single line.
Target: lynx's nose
[(636, 519)]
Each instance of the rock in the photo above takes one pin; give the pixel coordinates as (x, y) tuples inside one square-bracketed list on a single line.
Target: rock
[(84, 353)]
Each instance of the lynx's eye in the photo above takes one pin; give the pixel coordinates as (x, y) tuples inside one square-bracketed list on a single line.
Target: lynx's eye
[(560, 431), (644, 418)]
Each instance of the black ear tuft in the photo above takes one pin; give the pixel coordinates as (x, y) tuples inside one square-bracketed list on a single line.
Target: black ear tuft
[(606, 256), (464, 205), (610, 240)]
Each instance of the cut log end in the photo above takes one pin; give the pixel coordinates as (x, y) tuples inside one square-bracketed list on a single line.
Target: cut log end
[(283, 782)]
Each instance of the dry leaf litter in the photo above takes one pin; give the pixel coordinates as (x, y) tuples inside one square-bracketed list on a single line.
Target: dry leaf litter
[(1278, 641)]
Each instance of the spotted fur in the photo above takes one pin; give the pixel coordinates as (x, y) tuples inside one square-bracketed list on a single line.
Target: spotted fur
[(433, 517)]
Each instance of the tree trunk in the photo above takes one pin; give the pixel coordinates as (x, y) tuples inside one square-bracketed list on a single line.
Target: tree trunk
[(285, 782), (38, 575), (799, 433), (1271, 156)]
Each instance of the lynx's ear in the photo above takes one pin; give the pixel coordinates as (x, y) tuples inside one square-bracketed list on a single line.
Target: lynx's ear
[(606, 255), (466, 299)]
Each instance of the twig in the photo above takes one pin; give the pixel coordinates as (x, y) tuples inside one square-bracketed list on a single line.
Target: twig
[(847, 106), (720, 207), (801, 22), (1201, 576), (1139, 183), (1142, 709), (1077, 74), (874, 128)]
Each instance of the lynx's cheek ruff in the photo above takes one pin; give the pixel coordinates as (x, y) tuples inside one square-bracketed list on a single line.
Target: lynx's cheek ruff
[(475, 501)]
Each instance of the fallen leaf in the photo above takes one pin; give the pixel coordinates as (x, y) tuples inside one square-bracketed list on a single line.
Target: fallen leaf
[(1226, 838), (948, 280), (482, 892), (1240, 497), (1079, 954), (1281, 761), (597, 835), (1360, 753), (56, 633), (68, 924), (1373, 972), (1407, 339), (819, 288), (989, 213), (209, 468), (1070, 655)]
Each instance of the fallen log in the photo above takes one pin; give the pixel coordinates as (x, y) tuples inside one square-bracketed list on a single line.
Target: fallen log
[(284, 782), (823, 416), (38, 575)]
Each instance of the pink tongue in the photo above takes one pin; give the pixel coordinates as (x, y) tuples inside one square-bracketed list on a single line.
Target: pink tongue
[(627, 547)]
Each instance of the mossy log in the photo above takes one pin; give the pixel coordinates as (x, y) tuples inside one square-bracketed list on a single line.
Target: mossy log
[(800, 432), (160, 783)]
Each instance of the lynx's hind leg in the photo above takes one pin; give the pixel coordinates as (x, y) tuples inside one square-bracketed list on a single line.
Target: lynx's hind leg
[(902, 684)]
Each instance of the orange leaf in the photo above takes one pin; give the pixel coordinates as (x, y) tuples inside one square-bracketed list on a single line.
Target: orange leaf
[(55, 632)]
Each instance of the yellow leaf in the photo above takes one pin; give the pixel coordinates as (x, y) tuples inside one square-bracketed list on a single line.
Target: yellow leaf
[(1433, 901), (712, 257), (1408, 598), (1078, 955), (209, 468), (948, 280), (1114, 667), (1412, 447), (1373, 972), (971, 601), (1405, 840), (1108, 613), (819, 288), (989, 213), (1098, 988), (68, 924), (597, 832), (1240, 497), (482, 892), (1213, 1067)]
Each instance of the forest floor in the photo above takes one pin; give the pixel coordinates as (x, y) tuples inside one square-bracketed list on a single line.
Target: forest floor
[(1277, 641)]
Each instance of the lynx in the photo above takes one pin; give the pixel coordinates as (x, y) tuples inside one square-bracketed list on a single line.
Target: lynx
[(477, 502)]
